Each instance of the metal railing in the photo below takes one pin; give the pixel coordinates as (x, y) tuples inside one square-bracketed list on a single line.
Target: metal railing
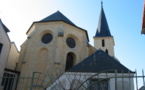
[(10, 81), (75, 81), (100, 81), (133, 81)]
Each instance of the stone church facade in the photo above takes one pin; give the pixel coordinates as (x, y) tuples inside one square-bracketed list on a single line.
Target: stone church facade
[(55, 44), (49, 43)]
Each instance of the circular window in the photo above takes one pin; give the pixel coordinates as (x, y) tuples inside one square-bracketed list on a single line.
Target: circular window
[(70, 42), (47, 38)]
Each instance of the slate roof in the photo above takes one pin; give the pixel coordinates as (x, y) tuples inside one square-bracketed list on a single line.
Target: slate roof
[(5, 28), (57, 16), (103, 28), (98, 62)]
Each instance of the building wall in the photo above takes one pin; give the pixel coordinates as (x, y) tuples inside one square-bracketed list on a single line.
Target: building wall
[(4, 39), (13, 57), (21, 56), (35, 54), (91, 49), (108, 42)]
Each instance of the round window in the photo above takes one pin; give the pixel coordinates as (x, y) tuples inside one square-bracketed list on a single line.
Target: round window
[(47, 38), (70, 42)]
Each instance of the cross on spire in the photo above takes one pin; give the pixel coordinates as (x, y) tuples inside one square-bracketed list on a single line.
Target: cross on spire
[(101, 3)]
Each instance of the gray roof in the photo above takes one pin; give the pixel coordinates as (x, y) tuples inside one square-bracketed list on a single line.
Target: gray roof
[(57, 16), (98, 62), (5, 28), (142, 88), (103, 29)]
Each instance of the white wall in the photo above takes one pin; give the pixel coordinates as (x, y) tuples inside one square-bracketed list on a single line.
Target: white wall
[(13, 57), (66, 81), (4, 39)]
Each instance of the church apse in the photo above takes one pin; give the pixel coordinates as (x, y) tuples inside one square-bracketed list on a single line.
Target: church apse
[(42, 60)]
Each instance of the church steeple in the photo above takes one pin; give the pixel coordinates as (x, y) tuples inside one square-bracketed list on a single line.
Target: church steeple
[(103, 29), (103, 39)]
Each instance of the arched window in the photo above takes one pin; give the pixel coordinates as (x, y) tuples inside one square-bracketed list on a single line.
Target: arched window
[(106, 51), (103, 43), (1, 46), (69, 61)]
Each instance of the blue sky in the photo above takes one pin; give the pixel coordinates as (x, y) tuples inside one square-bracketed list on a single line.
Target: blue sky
[(124, 18)]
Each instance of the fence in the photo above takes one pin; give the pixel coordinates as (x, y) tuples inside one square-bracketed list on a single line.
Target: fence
[(75, 81), (121, 81), (37, 81)]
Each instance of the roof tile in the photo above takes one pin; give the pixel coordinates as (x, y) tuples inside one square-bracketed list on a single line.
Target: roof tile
[(57, 16), (98, 62)]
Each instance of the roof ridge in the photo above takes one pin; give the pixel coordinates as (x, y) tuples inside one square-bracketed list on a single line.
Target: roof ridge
[(60, 14)]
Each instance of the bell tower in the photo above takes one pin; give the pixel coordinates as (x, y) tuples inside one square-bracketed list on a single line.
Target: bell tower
[(103, 39)]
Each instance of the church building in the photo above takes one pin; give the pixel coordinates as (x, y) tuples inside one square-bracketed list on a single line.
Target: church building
[(58, 46)]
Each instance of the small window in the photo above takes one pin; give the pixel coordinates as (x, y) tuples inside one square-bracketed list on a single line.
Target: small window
[(98, 84), (106, 51), (1, 46), (103, 43)]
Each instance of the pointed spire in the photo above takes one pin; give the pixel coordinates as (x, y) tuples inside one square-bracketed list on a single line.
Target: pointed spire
[(103, 29), (101, 3)]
